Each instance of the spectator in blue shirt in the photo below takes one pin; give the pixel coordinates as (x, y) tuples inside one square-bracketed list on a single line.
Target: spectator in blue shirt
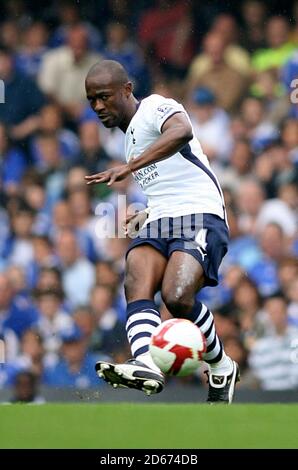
[(122, 48), (23, 99), (69, 15), (264, 273), (15, 313), (12, 163), (34, 46), (76, 367)]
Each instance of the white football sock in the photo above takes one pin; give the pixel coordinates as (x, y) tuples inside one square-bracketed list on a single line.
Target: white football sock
[(223, 367)]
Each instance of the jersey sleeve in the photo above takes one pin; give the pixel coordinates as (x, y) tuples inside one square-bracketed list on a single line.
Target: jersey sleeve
[(161, 109)]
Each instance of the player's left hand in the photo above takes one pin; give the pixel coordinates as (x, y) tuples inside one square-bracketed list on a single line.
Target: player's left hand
[(117, 173), (134, 222)]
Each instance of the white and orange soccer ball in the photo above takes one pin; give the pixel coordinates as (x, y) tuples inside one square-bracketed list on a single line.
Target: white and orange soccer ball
[(176, 347)]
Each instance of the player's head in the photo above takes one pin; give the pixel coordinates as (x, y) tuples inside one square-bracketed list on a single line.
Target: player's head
[(109, 92)]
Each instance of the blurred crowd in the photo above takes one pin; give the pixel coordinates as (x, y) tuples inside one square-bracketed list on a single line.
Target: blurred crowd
[(235, 69)]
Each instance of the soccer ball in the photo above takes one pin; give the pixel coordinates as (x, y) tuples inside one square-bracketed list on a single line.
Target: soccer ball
[(176, 347)]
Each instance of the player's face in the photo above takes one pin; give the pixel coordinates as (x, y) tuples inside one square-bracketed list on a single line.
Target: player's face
[(107, 99)]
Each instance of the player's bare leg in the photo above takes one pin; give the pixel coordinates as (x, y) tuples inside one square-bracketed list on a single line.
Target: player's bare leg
[(183, 277), (145, 268)]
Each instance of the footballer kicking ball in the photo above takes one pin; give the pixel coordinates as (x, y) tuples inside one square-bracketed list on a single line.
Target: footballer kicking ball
[(176, 347)]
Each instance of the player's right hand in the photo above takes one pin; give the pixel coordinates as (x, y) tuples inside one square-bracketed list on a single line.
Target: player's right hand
[(117, 173)]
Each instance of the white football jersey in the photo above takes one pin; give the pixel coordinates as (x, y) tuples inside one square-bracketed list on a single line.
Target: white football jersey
[(181, 184)]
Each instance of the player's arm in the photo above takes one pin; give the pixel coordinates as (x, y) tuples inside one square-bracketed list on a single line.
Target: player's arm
[(175, 133)]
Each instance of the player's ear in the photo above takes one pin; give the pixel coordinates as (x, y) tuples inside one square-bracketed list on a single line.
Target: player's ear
[(128, 87)]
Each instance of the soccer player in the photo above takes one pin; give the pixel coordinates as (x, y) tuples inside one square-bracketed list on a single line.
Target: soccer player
[(180, 246)]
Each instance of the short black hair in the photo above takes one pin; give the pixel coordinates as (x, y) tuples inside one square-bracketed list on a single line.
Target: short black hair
[(54, 292)]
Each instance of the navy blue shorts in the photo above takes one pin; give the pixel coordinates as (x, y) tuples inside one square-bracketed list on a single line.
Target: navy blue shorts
[(204, 236)]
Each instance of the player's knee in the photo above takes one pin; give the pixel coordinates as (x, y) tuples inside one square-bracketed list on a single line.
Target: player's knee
[(179, 305)]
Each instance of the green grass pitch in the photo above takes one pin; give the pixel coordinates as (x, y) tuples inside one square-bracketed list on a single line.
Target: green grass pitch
[(163, 426)]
